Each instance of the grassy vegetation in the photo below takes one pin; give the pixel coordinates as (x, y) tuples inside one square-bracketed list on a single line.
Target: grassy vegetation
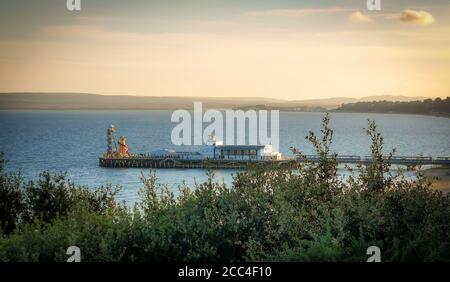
[(301, 213)]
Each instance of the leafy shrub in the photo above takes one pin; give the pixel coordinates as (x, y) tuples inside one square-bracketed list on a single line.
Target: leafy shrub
[(11, 199), (52, 196)]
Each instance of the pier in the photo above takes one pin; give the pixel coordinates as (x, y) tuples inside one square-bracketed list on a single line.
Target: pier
[(216, 155), (174, 162), (184, 163), (397, 160)]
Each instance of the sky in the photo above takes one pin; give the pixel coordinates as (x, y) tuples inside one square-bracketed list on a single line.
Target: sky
[(280, 49)]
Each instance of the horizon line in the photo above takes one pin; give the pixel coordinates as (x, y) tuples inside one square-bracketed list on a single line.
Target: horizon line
[(220, 97)]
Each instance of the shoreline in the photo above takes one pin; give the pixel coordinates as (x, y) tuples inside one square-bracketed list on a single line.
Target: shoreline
[(439, 178), (216, 108), (396, 113)]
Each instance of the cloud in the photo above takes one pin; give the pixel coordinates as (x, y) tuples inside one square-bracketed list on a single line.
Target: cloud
[(416, 17), (358, 17), (293, 13)]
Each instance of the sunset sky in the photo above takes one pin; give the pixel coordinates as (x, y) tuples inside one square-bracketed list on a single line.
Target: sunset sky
[(253, 48)]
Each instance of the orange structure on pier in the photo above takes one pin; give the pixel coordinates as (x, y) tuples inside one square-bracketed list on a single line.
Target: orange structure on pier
[(121, 151), (123, 147)]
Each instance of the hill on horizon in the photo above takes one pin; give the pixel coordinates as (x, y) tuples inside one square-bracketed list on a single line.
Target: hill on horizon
[(335, 102), (86, 101)]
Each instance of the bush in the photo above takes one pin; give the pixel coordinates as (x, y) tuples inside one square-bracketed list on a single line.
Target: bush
[(52, 196), (11, 199)]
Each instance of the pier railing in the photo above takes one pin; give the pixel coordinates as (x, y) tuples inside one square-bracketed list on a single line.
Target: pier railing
[(145, 161), (406, 160)]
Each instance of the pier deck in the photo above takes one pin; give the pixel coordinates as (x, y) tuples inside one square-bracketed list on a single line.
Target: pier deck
[(149, 162)]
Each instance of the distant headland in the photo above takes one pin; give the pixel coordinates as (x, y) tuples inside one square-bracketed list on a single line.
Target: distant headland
[(438, 106), (86, 101)]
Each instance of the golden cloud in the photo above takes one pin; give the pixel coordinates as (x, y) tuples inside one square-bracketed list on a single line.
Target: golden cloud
[(358, 17), (416, 17)]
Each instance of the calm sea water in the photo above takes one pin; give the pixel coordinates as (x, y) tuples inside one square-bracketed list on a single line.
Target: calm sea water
[(72, 142)]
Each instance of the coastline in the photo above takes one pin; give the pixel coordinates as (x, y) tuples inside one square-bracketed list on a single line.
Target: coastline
[(396, 113), (439, 178), (162, 109)]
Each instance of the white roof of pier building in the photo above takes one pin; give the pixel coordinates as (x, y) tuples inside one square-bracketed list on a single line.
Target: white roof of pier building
[(163, 152), (240, 147)]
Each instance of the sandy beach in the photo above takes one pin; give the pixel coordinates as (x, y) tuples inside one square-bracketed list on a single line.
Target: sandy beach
[(440, 178)]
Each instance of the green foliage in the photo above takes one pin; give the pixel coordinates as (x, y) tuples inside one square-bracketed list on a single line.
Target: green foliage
[(52, 196), (428, 106), (11, 199), (376, 175), (295, 213)]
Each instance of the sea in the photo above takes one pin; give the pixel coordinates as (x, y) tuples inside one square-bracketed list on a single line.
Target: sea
[(71, 141)]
